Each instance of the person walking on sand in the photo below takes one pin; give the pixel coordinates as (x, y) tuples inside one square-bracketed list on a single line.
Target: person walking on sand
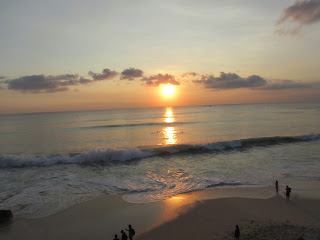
[(124, 235), (131, 232), (116, 237), (237, 232), (288, 191), (277, 185)]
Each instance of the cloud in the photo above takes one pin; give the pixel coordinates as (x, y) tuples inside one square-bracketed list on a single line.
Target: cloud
[(285, 84), (231, 81), (302, 12), (63, 89), (105, 75), (2, 77), (156, 80), (85, 81), (42, 83), (131, 73), (189, 74)]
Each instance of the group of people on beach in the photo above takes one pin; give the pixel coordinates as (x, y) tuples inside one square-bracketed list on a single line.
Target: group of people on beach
[(131, 231), (288, 190), (124, 236)]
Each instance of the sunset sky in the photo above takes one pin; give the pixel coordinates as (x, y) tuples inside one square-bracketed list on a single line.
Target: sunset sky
[(80, 54)]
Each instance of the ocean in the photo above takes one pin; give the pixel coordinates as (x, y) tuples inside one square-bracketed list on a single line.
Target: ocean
[(52, 161)]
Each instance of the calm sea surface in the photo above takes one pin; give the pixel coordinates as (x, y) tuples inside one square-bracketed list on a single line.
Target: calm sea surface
[(51, 161)]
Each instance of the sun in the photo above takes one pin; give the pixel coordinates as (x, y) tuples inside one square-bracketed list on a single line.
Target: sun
[(168, 90)]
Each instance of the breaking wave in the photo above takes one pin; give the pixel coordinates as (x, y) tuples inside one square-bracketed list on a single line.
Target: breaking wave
[(110, 155)]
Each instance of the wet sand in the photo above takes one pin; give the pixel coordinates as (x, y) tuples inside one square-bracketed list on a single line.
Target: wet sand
[(210, 214), (274, 218)]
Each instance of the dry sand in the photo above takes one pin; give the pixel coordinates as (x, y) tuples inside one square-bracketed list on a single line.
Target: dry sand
[(187, 216)]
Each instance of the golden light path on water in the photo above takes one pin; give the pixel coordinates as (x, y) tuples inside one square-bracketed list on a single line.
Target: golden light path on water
[(169, 132)]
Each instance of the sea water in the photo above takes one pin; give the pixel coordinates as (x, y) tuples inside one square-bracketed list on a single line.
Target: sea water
[(52, 161)]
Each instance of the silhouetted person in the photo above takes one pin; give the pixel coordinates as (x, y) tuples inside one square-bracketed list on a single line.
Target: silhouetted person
[(124, 235), (277, 186), (131, 232), (288, 191), (116, 237), (237, 232)]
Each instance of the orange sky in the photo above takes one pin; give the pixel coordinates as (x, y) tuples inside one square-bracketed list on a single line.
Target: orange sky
[(75, 55)]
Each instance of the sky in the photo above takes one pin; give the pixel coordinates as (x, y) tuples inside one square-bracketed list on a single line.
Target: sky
[(86, 54)]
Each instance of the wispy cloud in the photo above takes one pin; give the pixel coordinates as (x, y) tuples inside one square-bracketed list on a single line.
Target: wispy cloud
[(131, 73), (105, 75), (285, 84), (189, 74), (302, 12), (156, 80), (230, 81)]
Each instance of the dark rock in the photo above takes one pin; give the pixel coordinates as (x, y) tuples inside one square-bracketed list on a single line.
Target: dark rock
[(5, 215)]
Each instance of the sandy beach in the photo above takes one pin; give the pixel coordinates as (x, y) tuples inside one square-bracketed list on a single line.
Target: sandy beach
[(273, 218), (260, 214)]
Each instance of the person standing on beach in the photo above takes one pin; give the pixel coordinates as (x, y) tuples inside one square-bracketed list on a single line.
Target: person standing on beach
[(124, 235), (116, 237), (288, 191), (277, 186), (131, 232), (237, 232)]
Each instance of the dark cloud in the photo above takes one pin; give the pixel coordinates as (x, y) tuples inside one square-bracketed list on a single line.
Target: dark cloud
[(131, 73), (302, 12), (156, 80), (285, 84), (231, 81), (42, 83), (62, 89), (105, 75), (85, 81), (189, 74)]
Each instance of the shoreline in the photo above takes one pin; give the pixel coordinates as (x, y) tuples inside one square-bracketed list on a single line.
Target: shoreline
[(273, 218), (194, 215)]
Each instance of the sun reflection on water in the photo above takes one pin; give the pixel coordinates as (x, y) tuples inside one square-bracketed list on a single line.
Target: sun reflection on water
[(169, 116), (169, 132), (170, 135)]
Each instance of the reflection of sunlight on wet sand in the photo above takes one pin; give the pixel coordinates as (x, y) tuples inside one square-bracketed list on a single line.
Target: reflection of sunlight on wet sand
[(174, 206)]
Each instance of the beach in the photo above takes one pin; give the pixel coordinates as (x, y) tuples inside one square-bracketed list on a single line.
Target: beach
[(172, 173), (273, 218), (198, 215), (179, 118)]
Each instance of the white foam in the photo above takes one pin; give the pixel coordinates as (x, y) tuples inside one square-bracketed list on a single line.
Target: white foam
[(122, 155)]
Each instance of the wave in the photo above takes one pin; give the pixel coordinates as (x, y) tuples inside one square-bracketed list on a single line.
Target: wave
[(104, 126), (140, 124), (110, 155)]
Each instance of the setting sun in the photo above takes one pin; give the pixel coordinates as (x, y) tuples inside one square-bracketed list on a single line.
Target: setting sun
[(168, 90)]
